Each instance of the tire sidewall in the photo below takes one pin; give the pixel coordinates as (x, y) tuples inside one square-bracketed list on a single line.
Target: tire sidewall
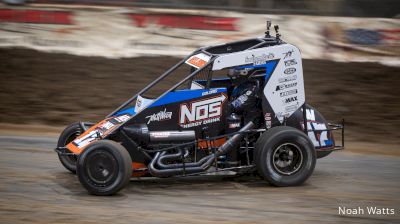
[(266, 149), (123, 162)]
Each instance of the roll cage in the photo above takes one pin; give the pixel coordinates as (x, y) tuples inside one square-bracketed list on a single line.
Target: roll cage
[(213, 52)]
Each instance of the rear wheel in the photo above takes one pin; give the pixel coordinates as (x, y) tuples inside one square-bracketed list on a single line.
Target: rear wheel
[(68, 135), (285, 156), (104, 167)]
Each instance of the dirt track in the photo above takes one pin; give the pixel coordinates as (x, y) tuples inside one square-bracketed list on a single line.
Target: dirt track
[(57, 89), (35, 188)]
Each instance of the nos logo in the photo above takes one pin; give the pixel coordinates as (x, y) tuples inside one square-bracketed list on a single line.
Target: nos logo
[(202, 110)]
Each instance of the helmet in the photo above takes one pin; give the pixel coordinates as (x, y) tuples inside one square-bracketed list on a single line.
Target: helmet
[(235, 73)]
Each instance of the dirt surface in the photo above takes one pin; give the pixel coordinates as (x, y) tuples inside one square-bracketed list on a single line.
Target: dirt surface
[(57, 89), (35, 188), (40, 93)]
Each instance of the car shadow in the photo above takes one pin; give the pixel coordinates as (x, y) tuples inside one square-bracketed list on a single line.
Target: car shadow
[(69, 184)]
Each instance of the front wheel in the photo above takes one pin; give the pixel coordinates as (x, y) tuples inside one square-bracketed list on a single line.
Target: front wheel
[(285, 156), (68, 135), (104, 167)]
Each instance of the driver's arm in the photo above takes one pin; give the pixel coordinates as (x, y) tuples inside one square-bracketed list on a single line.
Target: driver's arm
[(246, 97)]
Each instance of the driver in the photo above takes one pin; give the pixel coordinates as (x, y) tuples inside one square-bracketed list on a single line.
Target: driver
[(245, 95)]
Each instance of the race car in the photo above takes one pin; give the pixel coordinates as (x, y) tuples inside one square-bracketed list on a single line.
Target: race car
[(237, 107)]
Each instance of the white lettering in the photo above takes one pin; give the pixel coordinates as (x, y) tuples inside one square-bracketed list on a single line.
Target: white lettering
[(310, 114), (201, 110)]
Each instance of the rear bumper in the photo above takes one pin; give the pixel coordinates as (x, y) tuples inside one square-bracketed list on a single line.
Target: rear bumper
[(335, 128), (338, 128)]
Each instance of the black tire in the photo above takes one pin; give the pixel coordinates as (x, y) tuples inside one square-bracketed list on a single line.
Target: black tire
[(67, 136), (322, 154), (288, 146), (104, 167)]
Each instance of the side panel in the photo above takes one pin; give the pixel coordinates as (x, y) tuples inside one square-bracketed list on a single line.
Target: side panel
[(99, 130), (317, 127), (187, 110), (284, 90)]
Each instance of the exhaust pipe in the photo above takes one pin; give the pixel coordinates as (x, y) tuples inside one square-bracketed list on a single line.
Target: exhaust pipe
[(195, 167)]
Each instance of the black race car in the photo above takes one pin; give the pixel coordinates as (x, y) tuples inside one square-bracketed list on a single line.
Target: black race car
[(239, 106)]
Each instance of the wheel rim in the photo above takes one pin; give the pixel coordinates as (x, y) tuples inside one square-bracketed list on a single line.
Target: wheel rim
[(287, 159), (101, 168)]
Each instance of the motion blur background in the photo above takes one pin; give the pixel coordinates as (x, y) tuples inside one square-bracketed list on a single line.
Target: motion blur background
[(63, 60), (67, 61)]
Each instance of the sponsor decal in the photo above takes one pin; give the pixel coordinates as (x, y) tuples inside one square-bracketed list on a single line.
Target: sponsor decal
[(198, 60), (209, 92), (268, 124), (160, 134), (139, 102), (287, 79), (291, 108), (288, 54), (286, 86), (240, 100), (267, 116), (290, 100), (259, 60), (288, 93), (98, 131), (281, 116), (289, 71), (234, 125), (290, 62), (201, 112), (160, 116), (268, 120)]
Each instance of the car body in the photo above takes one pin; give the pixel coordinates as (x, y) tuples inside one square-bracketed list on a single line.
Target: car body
[(193, 126)]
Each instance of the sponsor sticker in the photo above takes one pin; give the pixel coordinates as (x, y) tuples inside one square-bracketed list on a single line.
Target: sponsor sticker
[(160, 116), (198, 60), (160, 134), (268, 120), (287, 79), (288, 93), (201, 112), (290, 99), (209, 92), (268, 124), (288, 54), (285, 86), (234, 125), (289, 71), (260, 59), (97, 131), (290, 62), (267, 116), (291, 108)]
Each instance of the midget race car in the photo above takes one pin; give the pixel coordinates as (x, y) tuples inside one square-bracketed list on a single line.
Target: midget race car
[(237, 107)]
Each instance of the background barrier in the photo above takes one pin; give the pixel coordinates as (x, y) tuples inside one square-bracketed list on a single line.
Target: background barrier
[(117, 32)]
